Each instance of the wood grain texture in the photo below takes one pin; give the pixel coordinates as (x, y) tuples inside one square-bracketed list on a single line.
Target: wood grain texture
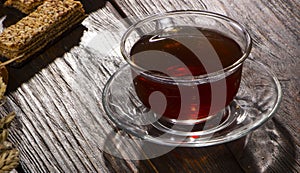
[(62, 127), (274, 27), (142, 8)]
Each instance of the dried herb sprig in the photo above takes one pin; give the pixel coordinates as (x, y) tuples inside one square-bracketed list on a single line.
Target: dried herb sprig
[(9, 156), (9, 160), (5, 121)]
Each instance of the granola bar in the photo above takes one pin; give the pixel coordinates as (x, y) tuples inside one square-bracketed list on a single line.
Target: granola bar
[(35, 31), (25, 6), (3, 80)]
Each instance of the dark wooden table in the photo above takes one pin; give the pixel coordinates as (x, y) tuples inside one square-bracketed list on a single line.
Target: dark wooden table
[(61, 125)]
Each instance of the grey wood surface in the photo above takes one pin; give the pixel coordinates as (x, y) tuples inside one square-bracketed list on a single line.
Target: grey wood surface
[(274, 27), (62, 127)]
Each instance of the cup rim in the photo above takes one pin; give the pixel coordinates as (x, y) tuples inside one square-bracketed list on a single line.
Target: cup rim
[(188, 79)]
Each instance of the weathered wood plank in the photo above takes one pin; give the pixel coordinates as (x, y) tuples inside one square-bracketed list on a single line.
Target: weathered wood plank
[(61, 124), (57, 97), (139, 8), (274, 26)]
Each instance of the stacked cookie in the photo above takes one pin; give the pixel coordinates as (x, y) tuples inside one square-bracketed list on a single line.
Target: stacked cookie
[(25, 6), (43, 25)]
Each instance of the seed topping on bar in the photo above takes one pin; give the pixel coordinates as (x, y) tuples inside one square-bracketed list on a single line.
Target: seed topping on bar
[(25, 6), (40, 27)]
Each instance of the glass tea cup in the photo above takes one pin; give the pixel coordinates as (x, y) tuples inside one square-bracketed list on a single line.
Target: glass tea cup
[(186, 65)]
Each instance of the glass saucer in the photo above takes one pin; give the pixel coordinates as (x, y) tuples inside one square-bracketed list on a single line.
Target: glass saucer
[(258, 98)]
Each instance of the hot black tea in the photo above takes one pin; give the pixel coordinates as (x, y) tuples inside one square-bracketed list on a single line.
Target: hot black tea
[(182, 54)]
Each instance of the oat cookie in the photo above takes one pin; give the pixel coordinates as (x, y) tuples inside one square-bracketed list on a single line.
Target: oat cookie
[(35, 31)]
